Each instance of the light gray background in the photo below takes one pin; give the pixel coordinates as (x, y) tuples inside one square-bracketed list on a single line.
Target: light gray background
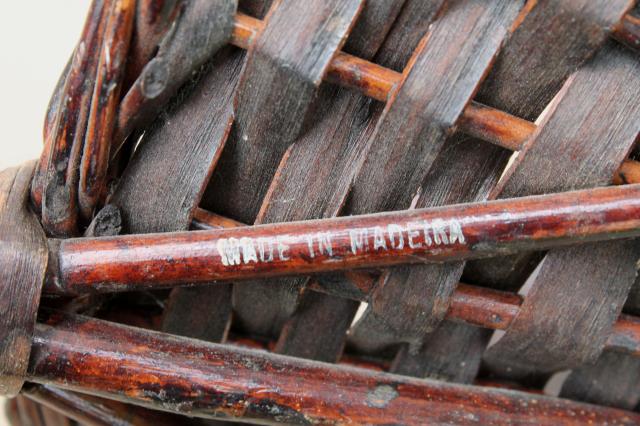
[(36, 39)]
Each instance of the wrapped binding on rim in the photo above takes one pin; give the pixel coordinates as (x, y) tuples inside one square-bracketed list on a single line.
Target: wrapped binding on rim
[(22, 268)]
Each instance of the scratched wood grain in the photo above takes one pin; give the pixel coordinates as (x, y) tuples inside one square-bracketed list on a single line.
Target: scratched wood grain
[(279, 82), (189, 136), (546, 64), (317, 328), (433, 358), (591, 22), (523, 54), (174, 160), (408, 30), (595, 116), (611, 381), (416, 298), (412, 131), (423, 111)]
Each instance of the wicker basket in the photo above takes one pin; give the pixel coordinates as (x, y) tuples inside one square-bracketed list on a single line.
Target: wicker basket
[(492, 119)]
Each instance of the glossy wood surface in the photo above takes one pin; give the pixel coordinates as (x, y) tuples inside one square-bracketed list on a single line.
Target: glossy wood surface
[(453, 233), (132, 365)]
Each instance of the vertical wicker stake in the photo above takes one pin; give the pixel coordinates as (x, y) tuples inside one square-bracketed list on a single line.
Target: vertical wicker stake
[(23, 263)]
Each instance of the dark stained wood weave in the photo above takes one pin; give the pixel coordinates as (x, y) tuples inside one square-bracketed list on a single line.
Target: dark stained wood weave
[(405, 145), (199, 30), (329, 148), (281, 77), (180, 150), (593, 280)]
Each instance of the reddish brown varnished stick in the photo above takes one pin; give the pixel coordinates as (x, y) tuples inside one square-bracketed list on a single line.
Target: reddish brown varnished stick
[(429, 235), (245, 30), (496, 309), (474, 305), (625, 336), (481, 121), (483, 307), (371, 79), (55, 184), (95, 156), (628, 31), (207, 380)]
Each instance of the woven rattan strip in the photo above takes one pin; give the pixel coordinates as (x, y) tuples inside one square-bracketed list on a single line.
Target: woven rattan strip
[(613, 379), (404, 147), (330, 315), (201, 29), (21, 269), (181, 149), (593, 280), (280, 79), (326, 149)]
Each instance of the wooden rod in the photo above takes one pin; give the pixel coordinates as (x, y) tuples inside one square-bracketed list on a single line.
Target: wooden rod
[(195, 378), (628, 31), (245, 30), (479, 306), (477, 120), (625, 336), (465, 231), (55, 185), (93, 177), (483, 307)]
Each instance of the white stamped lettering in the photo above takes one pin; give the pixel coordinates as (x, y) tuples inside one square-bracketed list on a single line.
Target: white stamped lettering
[(395, 237), (359, 240)]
